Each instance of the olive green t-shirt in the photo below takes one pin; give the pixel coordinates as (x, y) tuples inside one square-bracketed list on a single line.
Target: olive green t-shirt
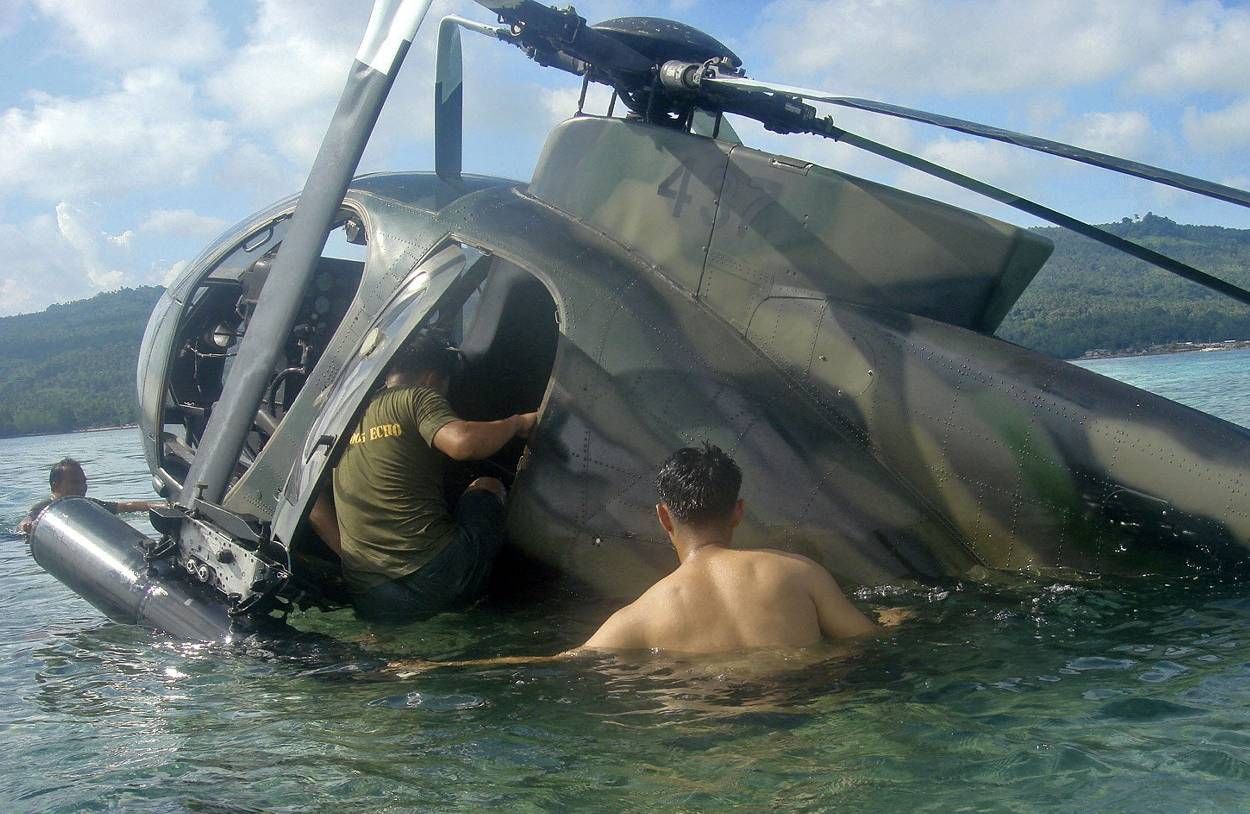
[(388, 487)]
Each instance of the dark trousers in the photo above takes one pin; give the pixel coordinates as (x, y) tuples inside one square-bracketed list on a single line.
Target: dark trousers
[(454, 578)]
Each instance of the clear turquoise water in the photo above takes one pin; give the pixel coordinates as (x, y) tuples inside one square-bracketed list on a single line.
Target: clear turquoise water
[(1052, 697), (1217, 382)]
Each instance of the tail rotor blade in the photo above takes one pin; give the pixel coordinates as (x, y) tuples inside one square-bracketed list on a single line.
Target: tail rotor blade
[(448, 102), (719, 81)]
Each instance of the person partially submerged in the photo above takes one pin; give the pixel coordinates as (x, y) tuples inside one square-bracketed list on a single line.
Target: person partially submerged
[(68, 479), (719, 599)]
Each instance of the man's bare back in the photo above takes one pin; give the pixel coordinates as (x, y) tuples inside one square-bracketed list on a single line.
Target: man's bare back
[(720, 600)]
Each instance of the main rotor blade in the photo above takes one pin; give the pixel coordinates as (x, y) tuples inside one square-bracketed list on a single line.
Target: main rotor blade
[(1109, 162), (392, 26)]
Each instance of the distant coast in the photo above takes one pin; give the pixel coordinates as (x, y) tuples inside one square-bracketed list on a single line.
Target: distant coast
[(1165, 348), (70, 432)]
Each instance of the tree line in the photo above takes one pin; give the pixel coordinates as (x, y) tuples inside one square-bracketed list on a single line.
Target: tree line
[(1090, 297), (72, 366)]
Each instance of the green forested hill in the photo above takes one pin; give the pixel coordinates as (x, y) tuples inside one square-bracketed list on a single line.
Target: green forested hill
[(1091, 297), (73, 366)]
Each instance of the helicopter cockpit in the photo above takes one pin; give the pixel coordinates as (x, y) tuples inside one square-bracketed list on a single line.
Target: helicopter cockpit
[(219, 314), (505, 323)]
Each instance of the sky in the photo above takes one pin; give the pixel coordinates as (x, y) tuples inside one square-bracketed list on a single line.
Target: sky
[(133, 132)]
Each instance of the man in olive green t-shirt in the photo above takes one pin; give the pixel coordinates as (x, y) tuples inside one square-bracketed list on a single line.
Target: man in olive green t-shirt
[(404, 555)]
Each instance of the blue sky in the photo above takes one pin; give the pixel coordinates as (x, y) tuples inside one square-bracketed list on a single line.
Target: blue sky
[(133, 132)]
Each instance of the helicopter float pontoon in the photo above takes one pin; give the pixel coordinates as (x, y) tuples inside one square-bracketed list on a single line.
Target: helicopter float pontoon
[(654, 283)]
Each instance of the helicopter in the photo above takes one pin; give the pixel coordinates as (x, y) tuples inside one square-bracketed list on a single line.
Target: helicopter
[(656, 283)]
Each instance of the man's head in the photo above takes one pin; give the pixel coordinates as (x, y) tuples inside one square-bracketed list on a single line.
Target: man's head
[(698, 488), (427, 358), (67, 478)]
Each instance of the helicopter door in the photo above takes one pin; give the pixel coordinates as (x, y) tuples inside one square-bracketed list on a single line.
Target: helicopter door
[(446, 276)]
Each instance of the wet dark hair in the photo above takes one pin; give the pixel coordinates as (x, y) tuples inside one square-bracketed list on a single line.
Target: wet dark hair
[(699, 485), (428, 350), (59, 469)]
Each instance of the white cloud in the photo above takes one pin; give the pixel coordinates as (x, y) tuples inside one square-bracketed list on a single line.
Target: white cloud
[(285, 79), (146, 133), (1001, 46), (257, 176), (58, 257), (182, 223), (13, 296), (130, 33), (1220, 130), (170, 274), (11, 17), (987, 47), (986, 160), (1206, 47), (99, 253), (559, 104), (1120, 134)]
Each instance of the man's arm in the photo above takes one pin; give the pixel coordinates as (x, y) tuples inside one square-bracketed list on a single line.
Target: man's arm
[(622, 631), (408, 667), (474, 440), (839, 619), (325, 520)]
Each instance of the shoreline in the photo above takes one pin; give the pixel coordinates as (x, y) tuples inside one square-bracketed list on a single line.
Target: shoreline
[(1167, 350), (71, 432)]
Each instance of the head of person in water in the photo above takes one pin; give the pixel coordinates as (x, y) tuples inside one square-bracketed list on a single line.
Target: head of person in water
[(67, 478), (427, 359), (699, 500)]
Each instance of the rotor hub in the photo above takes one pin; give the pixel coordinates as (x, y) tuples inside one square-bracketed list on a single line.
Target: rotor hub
[(663, 40)]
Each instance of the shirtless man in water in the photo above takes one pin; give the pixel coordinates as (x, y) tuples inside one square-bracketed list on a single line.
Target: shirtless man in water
[(720, 600)]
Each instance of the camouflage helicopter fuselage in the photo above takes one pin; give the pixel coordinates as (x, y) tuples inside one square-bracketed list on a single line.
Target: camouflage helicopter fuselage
[(833, 334)]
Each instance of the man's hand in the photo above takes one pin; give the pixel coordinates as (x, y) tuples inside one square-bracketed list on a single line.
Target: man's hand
[(892, 617), (525, 424)]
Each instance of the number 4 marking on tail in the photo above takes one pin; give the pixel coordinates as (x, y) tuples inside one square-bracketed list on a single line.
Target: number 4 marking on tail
[(679, 178)]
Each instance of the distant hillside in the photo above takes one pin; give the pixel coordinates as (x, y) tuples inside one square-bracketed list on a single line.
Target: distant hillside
[(72, 366), (1091, 297)]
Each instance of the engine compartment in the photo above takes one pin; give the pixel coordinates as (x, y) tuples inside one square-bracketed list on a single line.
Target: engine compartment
[(208, 339)]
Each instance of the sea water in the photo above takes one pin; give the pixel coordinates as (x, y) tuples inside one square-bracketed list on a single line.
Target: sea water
[(1044, 697)]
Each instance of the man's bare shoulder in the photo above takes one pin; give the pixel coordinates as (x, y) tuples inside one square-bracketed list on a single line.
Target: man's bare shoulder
[(662, 593), (624, 630), (784, 560), (631, 626)]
